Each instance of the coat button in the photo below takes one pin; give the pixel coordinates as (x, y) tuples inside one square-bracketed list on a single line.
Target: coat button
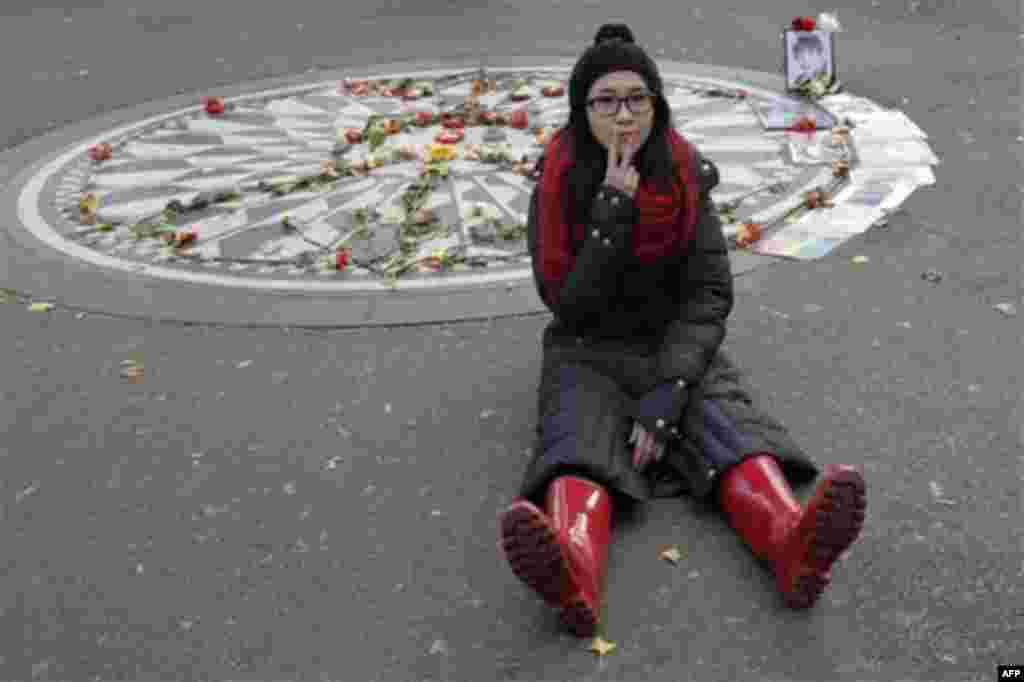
[(680, 383), (660, 423), (615, 201), (607, 242), (596, 233), (579, 340), (675, 431)]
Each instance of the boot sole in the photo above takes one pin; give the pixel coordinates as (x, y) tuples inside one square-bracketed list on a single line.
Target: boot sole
[(837, 524), (533, 552), (536, 559)]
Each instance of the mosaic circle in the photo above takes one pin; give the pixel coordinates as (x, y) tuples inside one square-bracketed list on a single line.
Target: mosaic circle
[(422, 178)]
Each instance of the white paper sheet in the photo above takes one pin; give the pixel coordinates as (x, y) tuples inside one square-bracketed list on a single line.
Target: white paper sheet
[(922, 176), (887, 125), (857, 109), (839, 222), (808, 149), (885, 193), (896, 153)]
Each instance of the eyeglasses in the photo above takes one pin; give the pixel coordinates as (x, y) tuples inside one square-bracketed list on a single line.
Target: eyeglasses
[(637, 103)]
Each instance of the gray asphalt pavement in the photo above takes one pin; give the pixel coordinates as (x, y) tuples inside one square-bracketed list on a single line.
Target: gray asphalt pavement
[(286, 504)]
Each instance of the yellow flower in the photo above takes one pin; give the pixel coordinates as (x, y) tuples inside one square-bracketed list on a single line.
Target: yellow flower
[(442, 152)]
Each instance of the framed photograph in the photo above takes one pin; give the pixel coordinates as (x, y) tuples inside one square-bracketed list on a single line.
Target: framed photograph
[(807, 55)]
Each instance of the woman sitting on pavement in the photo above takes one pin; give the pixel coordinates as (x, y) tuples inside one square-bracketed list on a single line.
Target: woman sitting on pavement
[(637, 399)]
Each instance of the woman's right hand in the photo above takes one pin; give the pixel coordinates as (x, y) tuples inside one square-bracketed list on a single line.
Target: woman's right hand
[(645, 448), (621, 174)]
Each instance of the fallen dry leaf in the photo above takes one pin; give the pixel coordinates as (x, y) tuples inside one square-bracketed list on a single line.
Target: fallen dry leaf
[(40, 307), (132, 371), (672, 555), (1008, 309), (859, 259), (602, 647)]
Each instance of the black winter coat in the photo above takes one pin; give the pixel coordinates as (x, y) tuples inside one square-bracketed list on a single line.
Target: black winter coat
[(623, 329)]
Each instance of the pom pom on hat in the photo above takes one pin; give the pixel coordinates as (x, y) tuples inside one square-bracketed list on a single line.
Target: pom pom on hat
[(609, 32)]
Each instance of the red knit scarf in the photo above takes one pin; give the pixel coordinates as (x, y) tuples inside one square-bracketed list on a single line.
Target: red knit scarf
[(666, 223)]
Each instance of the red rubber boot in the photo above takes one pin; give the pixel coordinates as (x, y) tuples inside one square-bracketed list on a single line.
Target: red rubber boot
[(801, 544), (563, 555)]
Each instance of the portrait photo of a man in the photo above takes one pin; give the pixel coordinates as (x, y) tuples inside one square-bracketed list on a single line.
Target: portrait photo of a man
[(809, 54)]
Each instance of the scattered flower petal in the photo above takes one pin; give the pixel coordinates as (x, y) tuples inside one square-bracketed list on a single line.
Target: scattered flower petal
[(1008, 309), (859, 259), (289, 488), (41, 307)]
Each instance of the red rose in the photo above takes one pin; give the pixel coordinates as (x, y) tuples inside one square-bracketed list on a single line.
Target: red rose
[(748, 234), (453, 123), (553, 91), (804, 24), (101, 152), (424, 118), (489, 117), (353, 136), (449, 137), (341, 258), (520, 120), (804, 124), (214, 105), (357, 88)]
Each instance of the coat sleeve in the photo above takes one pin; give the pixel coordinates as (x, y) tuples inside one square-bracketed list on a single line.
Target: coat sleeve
[(691, 341), (602, 256)]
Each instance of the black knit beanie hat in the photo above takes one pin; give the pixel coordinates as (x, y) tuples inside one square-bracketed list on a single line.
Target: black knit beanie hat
[(614, 49)]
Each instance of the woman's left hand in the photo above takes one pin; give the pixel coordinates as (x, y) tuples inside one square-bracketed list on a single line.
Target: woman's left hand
[(646, 449)]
